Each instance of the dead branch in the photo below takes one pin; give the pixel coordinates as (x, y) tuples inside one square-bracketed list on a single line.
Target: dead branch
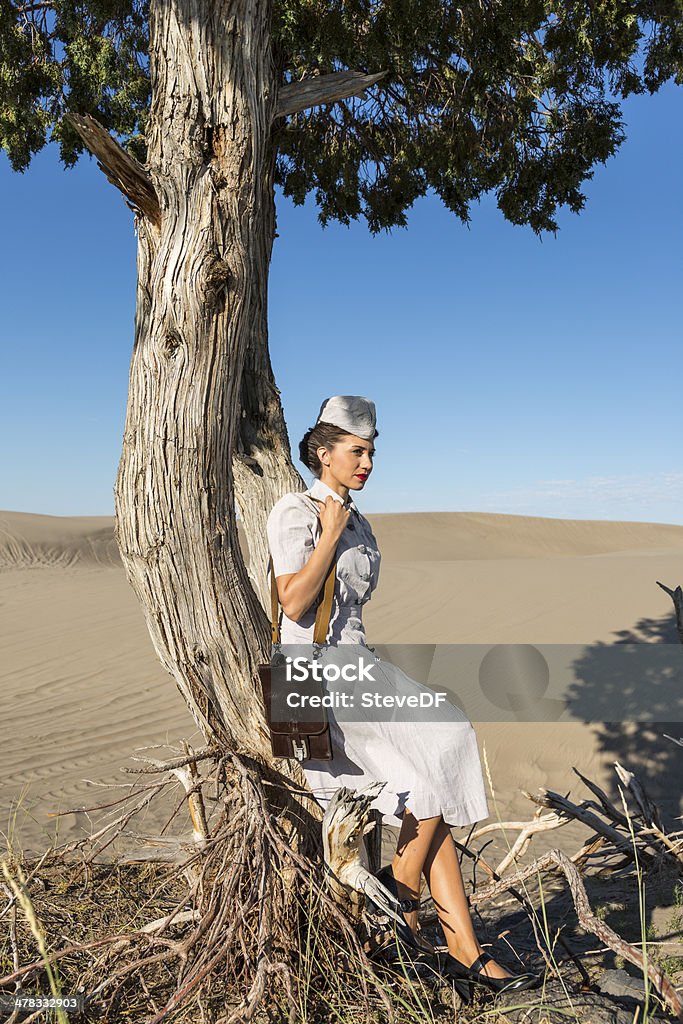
[(115, 827), (323, 89), (38, 965), (162, 923), (159, 850), (121, 169), (527, 829), (189, 776), (677, 598), (607, 804), (587, 920), (649, 812), (563, 805), (157, 766)]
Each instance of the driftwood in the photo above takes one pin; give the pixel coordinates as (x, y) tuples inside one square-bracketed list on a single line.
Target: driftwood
[(651, 842), (638, 836), (527, 830), (345, 823), (246, 847)]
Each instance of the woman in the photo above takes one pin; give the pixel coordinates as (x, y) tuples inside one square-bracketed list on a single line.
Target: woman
[(433, 774)]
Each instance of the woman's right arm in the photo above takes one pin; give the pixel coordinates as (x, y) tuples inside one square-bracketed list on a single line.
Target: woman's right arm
[(297, 591)]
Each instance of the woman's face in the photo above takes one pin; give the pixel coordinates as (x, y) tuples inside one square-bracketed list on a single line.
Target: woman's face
[(348, 462)]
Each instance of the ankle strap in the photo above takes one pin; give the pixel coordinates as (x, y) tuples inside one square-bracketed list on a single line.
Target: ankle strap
[(386, 876), (409, 905), (480, 962)]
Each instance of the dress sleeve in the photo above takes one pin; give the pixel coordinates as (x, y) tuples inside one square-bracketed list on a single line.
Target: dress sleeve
[(290, 529)]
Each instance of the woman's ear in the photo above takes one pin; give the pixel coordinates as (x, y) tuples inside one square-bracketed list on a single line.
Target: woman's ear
[(320, 452)]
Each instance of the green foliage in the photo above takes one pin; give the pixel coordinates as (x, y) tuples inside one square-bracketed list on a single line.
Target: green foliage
[(29, 78), (512, 98), (518, 97), (86, 57)]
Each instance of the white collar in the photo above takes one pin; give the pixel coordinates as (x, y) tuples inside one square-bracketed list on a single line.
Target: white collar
[(320, 490)]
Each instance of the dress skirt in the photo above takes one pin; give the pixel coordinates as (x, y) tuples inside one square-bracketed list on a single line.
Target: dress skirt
[(428, 757)]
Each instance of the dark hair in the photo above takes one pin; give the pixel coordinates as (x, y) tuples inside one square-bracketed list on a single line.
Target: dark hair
[(325, 434)]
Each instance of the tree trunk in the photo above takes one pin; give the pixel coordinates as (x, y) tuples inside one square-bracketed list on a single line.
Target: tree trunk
[(262, 464), (201, 316)]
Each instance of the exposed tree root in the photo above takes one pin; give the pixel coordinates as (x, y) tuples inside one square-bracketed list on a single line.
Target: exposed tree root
[(253, 915), (249, 920)]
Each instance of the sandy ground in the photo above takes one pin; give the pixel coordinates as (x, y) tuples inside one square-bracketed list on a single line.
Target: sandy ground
[(82, 688)]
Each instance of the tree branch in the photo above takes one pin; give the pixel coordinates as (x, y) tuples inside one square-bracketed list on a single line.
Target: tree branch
[(121, 169), (677, 598), (323, 89), (38, 6)]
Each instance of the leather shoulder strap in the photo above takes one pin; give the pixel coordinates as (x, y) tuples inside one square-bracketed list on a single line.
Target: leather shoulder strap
[(274, 616), (324, 612), (322, 615)]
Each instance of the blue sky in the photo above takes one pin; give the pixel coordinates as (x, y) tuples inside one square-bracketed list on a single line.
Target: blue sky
[(511, 374)]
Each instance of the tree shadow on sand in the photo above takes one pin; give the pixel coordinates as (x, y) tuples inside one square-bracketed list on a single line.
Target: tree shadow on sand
[(631, 693)]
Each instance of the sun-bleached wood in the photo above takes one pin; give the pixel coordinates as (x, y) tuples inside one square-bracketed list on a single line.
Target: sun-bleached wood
[(310, 92), (346, 821), (204, 426), (120, 168)]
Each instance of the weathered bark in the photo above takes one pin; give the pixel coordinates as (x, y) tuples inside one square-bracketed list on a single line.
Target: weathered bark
[(120, 168), (311, 92), (201, 313), (262, 462)]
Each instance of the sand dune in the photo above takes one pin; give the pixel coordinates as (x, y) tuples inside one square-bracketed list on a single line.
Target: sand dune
[(82, 687), (28, 541), (445, 536)]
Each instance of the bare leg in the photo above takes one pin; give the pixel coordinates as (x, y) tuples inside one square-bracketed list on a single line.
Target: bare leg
[(444, 878), (414, 842)]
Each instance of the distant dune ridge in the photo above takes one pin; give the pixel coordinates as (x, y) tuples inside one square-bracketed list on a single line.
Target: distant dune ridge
[(28, 540), (81, 685), (442, 536)]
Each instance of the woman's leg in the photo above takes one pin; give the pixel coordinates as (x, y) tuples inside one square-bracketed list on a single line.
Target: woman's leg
[(426, 845), (444, 878), (414, 842)]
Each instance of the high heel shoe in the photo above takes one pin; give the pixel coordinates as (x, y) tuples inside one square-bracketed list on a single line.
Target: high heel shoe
[(475, 975), (405, 932)]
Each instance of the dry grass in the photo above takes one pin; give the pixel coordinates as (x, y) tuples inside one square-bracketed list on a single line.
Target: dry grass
[(257, 936)]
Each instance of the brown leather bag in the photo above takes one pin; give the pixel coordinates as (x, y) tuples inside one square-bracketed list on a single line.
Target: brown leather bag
[(297, 739)]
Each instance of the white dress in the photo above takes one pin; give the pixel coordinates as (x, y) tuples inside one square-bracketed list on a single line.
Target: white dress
[(431, 767)]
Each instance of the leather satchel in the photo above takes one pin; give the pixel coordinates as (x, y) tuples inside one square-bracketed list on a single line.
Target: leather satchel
[(289, 737)]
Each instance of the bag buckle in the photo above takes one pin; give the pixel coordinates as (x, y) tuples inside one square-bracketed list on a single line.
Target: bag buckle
[(300, 747)]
